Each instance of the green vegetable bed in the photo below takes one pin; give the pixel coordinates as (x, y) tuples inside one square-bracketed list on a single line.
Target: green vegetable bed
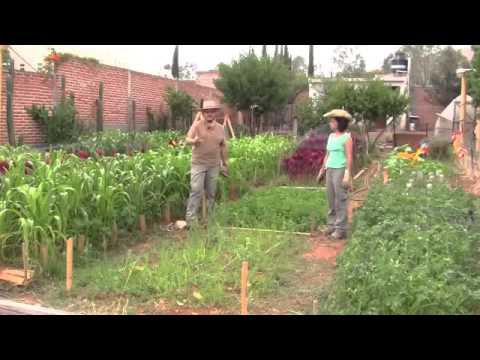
[(414, 250), (287, 209)]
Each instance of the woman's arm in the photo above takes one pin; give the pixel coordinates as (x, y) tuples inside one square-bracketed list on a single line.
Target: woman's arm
[(349, 153), (347, 179)]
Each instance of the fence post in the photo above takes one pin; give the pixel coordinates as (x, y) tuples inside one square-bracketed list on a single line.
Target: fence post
[(63, 88), (134, 123), (10, 123), (100, 108)]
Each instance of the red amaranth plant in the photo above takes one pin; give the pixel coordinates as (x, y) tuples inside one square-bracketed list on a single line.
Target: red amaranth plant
[(4, 166)]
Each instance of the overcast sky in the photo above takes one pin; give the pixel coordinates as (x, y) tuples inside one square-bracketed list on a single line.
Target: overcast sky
[(151, 58)]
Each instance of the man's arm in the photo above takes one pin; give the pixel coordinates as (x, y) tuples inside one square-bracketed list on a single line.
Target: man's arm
[(224, 153), (192, 138)]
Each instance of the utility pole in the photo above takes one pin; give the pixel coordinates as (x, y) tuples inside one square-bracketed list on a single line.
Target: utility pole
[(1, 75), (463, 104), (462, 73)]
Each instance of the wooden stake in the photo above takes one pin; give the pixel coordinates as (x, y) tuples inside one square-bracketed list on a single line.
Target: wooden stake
[(25, 261), (385, 176), (267, 230), (81, 245), (229, 123), (114, 233), (143, 224), (44, 255), (244, 290), (168, 215), (1, 73), (69, 263), (204, 206), (315, 307), (359, 174)]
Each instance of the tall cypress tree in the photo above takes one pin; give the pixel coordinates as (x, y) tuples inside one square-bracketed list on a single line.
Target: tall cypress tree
[(311, 69), (276, 52), (175, 68), (264, 51), (281, 52), (286, 55)]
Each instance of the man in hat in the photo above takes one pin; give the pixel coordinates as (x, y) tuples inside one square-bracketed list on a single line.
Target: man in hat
[(338, 166), (209, 154)]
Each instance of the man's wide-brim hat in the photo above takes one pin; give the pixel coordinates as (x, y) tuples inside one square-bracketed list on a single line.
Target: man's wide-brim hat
[(209, 106), (338, 113)]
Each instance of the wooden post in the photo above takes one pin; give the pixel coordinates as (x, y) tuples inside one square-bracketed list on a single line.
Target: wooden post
[(114, 233), (10, 123), (204, 206), (385, 176), (244, 289), (295, 127), (168, 213), (315, 307), (63, 86), (44, 255), (463, 104), (463, 114), (134, 122), (229, 124), (143, 224), (69, 263), (25, 260), (100, 108), (2, 47), (81, 244)]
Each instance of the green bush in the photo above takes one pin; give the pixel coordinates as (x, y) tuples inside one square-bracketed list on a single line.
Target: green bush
[(413, 251), (59, 122)]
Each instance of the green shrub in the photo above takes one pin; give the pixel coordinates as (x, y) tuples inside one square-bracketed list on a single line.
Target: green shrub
[(413, 251), (59, 122)]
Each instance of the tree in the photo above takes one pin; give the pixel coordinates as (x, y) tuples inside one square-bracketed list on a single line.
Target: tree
[(474, 76), (367, 101), (311, 68), (186, 72), (264, 51), (349, 62), (422, 61), (281, 52), (5, 55), (444, 80), (181, 106), (387, 64), (255, 84), (298, 65), (286, 55), (276, 52), (175, 67)]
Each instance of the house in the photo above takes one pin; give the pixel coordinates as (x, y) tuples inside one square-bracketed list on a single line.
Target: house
[(206, 78), (398, 80)]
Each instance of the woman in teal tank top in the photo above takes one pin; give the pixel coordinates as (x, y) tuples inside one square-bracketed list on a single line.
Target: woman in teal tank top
[(338, 166)]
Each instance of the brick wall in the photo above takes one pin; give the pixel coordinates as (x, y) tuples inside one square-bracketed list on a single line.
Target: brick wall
[(29, 88), (82, 80), (206, 78), (425, 107)]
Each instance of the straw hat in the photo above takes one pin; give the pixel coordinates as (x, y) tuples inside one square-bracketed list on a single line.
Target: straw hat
[(338, 113)]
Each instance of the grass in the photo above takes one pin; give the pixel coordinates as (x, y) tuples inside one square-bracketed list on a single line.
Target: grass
[(203, 270), (285, 209)]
